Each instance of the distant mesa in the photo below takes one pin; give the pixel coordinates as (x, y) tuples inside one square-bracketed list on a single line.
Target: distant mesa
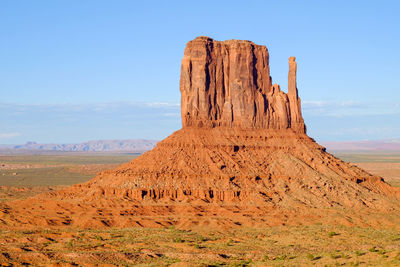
[(242, 158), (363, 146), (132, 145)]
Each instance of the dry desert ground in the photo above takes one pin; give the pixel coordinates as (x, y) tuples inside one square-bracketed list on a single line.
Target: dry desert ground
[(321, 244)]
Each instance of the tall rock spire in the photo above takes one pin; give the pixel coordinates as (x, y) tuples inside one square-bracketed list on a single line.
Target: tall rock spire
[(296, 119), (292, 83)]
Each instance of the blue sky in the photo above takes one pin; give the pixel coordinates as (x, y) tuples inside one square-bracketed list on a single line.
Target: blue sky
[(72, 71)]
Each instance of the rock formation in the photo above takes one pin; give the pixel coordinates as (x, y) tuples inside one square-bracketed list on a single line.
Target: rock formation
[(242, 157), (228, 84)]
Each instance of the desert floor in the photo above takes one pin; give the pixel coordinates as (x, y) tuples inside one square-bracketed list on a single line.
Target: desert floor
[(22, 176)]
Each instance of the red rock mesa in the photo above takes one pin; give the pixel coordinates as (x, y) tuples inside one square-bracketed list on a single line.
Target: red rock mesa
[(229, 84), (242, 157)]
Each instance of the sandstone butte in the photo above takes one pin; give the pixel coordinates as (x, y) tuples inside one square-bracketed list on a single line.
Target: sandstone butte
[(242, 157)]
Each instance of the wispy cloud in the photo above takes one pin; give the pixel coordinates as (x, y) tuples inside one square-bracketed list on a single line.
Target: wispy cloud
[(161, 104), (349, 108), (9, 135), (319, 108), (71, 123), (175, 114), (311, 104), (96, 107)]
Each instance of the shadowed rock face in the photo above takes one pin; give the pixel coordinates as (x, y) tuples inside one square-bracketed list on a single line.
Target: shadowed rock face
[(228, 84)]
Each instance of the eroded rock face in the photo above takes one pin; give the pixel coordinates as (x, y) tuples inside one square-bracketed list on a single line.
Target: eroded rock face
[(228, 84)]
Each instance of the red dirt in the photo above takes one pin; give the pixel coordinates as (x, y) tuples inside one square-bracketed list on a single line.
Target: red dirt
[(241, 158)]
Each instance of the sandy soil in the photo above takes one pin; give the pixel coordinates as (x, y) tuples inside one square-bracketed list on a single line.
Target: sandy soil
[(320, 245)]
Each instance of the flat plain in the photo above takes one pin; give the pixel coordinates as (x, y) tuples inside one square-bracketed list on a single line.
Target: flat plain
[(22, 176), (386, 165)]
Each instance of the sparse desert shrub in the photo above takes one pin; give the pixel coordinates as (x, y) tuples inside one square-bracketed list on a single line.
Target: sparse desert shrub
[(344, 256), (202, 239), (335, 256), (382, 252), (282, 257), (242, 263), (359, 253), (216, 264), (311, 257), (70, 243), (197, 246), (396, 238), (178, 240), (331, 234), (265, 258), (98, 237), (116, 235), (397, 257), (373, 249), (170, 261)]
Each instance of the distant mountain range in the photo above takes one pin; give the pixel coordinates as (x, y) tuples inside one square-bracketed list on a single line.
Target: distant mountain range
[(134, 146), (143, 145), (364, 146)]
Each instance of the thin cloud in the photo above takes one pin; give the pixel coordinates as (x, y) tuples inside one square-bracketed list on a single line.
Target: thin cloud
[(97, 107), (171, 114), (318, 108), (9, 135), (63, 123), (311, 104), (349, 108), (161, 104)]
